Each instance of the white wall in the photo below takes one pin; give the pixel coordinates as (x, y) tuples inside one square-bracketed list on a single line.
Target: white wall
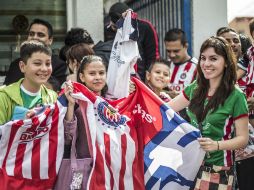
[(208, 16), (87, 14)]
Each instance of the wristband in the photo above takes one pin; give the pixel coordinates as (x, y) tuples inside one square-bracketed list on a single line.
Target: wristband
[(218, 145)]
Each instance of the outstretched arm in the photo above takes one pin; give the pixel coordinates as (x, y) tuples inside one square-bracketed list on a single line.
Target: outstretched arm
[(179, 102)]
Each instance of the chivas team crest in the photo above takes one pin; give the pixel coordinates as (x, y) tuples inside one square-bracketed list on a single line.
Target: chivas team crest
[(109, 115)]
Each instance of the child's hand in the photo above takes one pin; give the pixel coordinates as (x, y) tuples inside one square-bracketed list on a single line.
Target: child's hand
[(30, 114), (72, 77), (164, 95), (68, 90), (172, 93), (132, 87)]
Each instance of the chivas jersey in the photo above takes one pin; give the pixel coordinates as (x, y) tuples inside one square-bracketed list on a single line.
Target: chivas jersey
[(182, 74), (246, 83)]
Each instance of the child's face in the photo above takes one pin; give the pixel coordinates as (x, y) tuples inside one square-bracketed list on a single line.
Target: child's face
[(94, 76), (158, 78), (37, 69)]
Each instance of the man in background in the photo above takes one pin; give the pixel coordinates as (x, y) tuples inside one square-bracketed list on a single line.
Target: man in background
[(40, 30), (182, 65)]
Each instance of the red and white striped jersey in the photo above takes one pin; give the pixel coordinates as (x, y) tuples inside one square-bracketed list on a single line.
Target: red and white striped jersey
[(246, 83), (32, 150), (182, 74)]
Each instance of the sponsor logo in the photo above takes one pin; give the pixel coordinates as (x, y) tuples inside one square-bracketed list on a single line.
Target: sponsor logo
[(32, 134), (138, 110), (109, 115)]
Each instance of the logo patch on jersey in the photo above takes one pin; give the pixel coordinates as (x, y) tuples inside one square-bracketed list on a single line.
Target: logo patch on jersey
[(109, 115), (183, 76)]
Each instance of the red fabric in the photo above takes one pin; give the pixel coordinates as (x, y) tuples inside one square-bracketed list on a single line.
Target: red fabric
[(24, 143)]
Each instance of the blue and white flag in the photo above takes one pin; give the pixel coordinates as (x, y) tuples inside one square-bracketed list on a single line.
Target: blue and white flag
[(172, 157)]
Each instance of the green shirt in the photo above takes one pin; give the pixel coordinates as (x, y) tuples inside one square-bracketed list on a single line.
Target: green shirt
[(219, 125), (30, 100)]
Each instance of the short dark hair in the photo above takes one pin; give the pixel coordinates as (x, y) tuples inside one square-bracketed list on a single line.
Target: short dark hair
[(159, 61), (77, 35), (27, 48), (116, 10), (176, 34), (223, 30), (44, 23), (251, 27)]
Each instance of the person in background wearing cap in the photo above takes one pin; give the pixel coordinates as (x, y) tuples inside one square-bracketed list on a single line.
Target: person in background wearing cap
[(39, 30), (147, 41)]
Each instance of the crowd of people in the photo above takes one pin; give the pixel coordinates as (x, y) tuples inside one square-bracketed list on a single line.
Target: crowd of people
[(215, 92)]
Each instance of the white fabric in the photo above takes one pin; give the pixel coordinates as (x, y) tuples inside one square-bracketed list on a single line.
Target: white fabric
[(123, 57)]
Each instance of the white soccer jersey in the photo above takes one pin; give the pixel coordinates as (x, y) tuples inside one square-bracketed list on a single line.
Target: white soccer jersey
[(182, 74)]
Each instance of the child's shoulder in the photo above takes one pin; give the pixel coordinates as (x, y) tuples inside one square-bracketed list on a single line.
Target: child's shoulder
[(48, 95)]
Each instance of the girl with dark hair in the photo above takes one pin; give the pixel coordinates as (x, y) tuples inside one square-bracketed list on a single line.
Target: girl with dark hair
[(91, 73), (219, 109)]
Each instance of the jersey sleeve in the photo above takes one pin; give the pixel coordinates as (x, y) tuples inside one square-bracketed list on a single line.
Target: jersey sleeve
[(240, 107), (4, 108), (188, 91)]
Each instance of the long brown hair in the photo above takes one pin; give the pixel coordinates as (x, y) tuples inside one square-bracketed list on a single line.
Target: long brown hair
[(222, 48)]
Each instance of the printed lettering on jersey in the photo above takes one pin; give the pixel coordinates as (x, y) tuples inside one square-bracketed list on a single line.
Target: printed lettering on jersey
[(39, 128), (32, 134), (139, 110), (176, 87)]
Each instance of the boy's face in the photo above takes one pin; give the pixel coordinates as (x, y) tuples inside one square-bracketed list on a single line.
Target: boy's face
[(37, 69), (39, 32)]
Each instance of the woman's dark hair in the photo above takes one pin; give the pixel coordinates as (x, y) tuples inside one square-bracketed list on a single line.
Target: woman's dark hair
[(222, 48), (84, 62)]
